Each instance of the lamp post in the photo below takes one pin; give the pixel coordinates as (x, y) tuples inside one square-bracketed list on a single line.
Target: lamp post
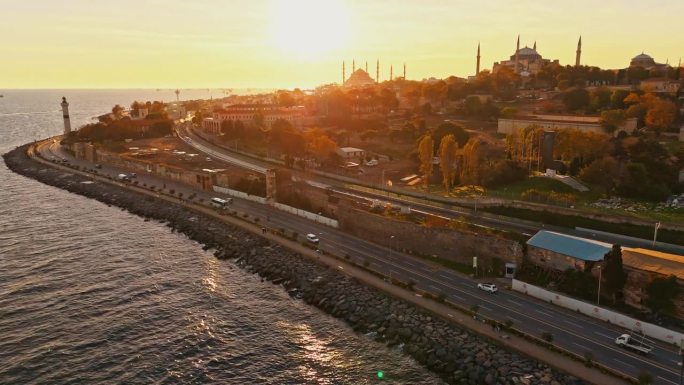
[(598, 295), (390, 255), (655, 232)]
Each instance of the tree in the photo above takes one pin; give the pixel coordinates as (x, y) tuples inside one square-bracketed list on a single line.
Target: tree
[(611, 120), (661, 115), (617, 99), (426, 151), (226, 127), (661, 293), (117, 110), (447, 160), (458, 131), (614, 274), (603, 172), (575, 99), (471, 162)]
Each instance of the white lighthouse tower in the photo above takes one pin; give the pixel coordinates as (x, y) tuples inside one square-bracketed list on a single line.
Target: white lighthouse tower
[(65, 114)]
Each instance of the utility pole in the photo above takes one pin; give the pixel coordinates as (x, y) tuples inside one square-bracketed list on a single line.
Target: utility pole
[(598, 295), (655, 232), (390, 256)]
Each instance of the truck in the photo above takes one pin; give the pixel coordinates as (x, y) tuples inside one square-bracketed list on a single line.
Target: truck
[(628, 342)]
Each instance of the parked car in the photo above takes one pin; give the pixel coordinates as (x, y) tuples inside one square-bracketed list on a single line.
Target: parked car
[(488, 287), (372, 163), (124, 178), (98, 165), (133, 175), (312, 238)]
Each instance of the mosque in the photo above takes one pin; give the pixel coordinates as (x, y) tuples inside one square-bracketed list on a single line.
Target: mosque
[(360, 78), (646, 62), (527, 61)]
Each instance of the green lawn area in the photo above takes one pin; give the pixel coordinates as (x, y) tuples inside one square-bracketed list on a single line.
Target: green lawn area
[(515, 190)]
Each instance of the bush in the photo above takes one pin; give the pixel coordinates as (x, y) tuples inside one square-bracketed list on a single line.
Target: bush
[(645, 378), (588, 359), (508, 323), (410, 284), (366, 263), (441, 297), (547, 336), (347, 257), (172, 191)]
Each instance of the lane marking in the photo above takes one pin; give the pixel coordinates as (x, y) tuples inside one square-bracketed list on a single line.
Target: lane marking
[(515, 302), (604, 335), (623, 362), (543, 312), (665, 379), (581, 346), (573, 324)]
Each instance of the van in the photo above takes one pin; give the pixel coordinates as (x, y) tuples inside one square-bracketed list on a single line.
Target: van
[(221, 203), (124, 178)]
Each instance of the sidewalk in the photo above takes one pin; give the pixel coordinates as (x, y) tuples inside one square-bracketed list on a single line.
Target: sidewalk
[(515, 343)]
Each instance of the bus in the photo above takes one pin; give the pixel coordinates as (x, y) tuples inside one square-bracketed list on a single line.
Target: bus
[(221, 203)]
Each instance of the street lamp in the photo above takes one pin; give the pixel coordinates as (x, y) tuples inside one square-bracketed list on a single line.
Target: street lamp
[(655, 232), (390, 255), (598, 295)]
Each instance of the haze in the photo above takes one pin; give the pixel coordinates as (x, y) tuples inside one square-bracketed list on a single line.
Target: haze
[(301, 43)]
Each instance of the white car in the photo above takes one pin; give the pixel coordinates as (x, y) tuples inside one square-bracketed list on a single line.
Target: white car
[(488, 287), (372, 162), (312, 238)]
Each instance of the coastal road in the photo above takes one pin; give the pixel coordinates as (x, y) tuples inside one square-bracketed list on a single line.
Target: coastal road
[(362, 193), (571, 331)]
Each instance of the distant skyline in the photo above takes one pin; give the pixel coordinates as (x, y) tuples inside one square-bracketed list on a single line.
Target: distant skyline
[(301, 43)]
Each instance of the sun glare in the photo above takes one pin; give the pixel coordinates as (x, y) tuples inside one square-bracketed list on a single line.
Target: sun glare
[(308, 29)]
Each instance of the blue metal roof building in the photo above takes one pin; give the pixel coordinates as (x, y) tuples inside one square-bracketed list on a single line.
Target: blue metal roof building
[(560, 251)]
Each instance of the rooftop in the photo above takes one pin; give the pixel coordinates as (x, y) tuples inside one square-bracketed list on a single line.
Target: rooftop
[(576, 247), (654, 261)]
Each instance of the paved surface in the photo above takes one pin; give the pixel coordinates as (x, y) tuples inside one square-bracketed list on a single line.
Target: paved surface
[(571, 331), (481, 218)]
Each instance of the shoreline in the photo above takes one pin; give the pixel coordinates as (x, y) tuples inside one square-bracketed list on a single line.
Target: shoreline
[(455, 354)]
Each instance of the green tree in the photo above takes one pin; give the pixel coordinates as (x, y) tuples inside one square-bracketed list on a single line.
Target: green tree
[(447, 160), (446, 128), (613, 274), (603, 172), (576, 99), (426, 151), (661, 294)]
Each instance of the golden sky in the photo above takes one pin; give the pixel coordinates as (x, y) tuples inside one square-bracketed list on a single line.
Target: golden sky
[(301, 43)]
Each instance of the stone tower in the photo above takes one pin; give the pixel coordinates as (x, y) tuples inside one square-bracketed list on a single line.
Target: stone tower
[(65, 115), (477, 68), (578, 54)]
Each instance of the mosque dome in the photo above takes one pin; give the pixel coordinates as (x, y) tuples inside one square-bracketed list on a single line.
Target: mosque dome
[(527, 53), (359, 78), (642, 60)]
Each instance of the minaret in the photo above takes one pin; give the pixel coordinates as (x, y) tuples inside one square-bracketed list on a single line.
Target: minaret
[(353, 65), (177, 92), (404, 71), (579, 52), (377, 71), (535, 45), (65, 115), (477, 69), (391, 76), (344, 76), (366, 66), (517, 48)]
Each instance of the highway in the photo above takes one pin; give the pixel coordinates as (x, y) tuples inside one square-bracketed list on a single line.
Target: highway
[(499, 222), (571, 331)]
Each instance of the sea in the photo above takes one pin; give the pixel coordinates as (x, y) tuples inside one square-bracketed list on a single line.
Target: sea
[(90, 294)]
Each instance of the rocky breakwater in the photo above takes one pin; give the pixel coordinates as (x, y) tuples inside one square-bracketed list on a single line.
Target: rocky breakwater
[(458, 356)]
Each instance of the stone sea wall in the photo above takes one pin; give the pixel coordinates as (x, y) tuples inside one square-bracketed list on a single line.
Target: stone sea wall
[(457, 355)]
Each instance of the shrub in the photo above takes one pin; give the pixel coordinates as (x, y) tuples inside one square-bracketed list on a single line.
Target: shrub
[(588, 359), (366, 263), (508, 323), (547, 336), (645, 378), (347, 257), (410, 284), (441, 297), (172, 191)]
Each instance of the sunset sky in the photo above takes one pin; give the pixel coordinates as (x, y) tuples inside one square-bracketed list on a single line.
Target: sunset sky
[(301, 43)]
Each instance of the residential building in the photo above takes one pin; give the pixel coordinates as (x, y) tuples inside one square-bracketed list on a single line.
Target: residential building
[(253, 115), (351, 153)]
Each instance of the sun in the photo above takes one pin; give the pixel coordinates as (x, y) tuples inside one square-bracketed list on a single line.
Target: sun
[(309, 29)]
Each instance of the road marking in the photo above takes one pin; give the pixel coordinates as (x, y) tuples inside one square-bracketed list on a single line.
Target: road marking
[(485, 307), (515, 302), (457, 297), (665, 379), (572, 323), (581, 346), (543, 312), (623, 363), (434, 287), (603, 335)]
